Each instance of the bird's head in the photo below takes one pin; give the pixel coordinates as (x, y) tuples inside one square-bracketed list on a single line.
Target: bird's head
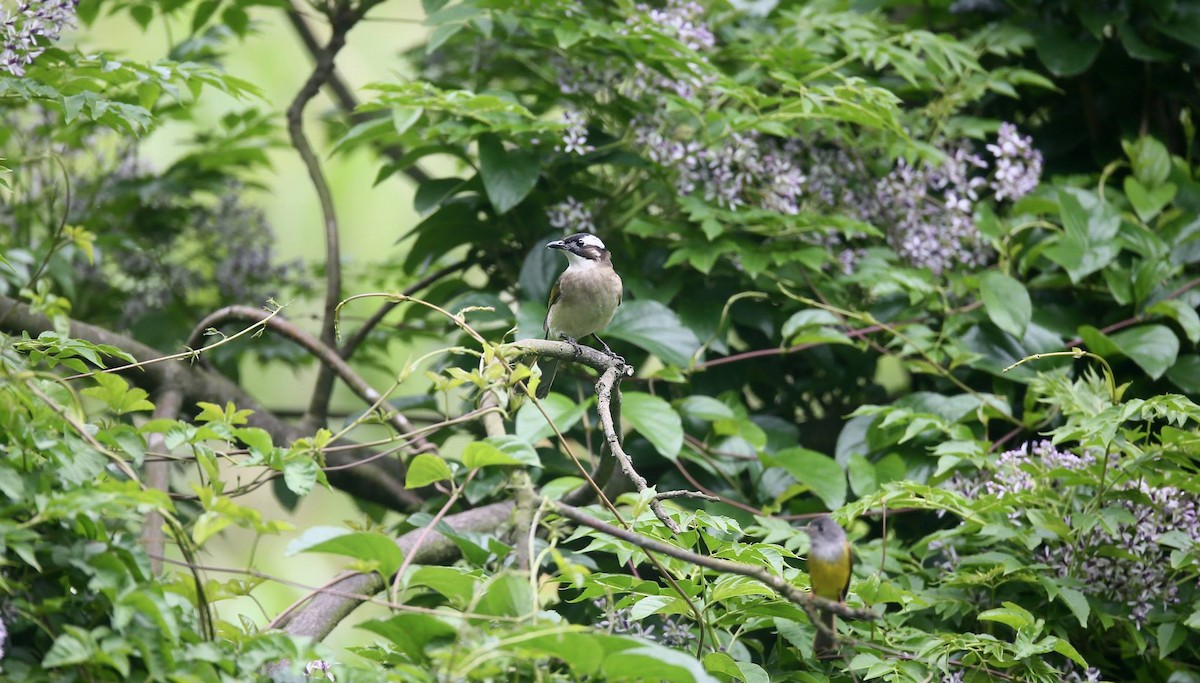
[(582, 249)]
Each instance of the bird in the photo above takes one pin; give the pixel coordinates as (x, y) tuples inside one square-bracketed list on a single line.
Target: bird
[(829, 560), (582, 300)]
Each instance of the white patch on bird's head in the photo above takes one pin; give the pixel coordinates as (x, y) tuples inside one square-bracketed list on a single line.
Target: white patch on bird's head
[(588, 240)]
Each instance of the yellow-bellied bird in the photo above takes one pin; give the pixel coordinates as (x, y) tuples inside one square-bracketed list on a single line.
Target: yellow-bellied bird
[(829, 561)]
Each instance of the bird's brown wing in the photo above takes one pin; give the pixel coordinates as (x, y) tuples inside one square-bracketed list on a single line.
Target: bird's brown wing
[(554, 295)]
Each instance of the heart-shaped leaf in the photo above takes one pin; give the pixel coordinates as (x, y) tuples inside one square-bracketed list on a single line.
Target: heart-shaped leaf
[(1148, 203)]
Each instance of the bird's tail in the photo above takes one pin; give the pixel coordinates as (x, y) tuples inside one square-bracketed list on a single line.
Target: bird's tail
[(549, 368), (824, 645)]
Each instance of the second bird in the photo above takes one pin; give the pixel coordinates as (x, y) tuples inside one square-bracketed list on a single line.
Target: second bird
[(583, 299)]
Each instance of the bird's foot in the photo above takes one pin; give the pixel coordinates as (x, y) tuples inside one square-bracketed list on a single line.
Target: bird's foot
[(609, 351), (574, 345)]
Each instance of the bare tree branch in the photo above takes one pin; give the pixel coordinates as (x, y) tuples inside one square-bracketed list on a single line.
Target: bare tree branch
[(317, 614), (156, 474), (344, 96), (342, 17), (605, 391)]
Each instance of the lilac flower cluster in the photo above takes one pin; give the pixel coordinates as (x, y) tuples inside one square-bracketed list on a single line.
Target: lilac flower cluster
[(1142, 580), (1018, 164), (929, 208), (1141, 576), (216, 252), (1012, 471), (744, 169), (575, 137), (572, 216), (929, 211), (683, 21), (674, 633), (27, 29)]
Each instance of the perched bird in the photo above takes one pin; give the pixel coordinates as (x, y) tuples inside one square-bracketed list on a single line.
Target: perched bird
[(583, 299), (829, 571)]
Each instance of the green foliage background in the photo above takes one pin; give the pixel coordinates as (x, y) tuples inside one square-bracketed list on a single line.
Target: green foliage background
[(994, 401)]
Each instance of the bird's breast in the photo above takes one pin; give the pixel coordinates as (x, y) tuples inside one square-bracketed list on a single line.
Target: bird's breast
[(587, 300)]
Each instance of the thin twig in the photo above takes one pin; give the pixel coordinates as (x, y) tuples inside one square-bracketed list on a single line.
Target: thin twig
[(82, 431), (325, 354), (665, 495), (360, 335)]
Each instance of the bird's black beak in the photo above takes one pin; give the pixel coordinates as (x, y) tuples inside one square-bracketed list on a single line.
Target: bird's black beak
[(557, 244)]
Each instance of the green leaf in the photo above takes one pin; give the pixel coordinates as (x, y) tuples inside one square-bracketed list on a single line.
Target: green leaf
[(863, 481), (515, 448), (410, 633), (426, 469), (1185, 373), (1006, 302), (236, 18), (1064, 49), (1148, 203), (204, 12), (1067, 650), (555, 489), (1078, 604), (654, 663), (116, 393), (1150, 160), (74, 646), (403, 118), (479, 454), (819, 472), (256, 439), (1087, 243), (654, 327), (532, 427), (142, 14), (654, 419), (1153, 348), (507, 595), (456, 583), (1015, 618), (1181, 313), (705, 408), (508, 175), (583, 652), (367, 546), (300, 474), (1170, 636)]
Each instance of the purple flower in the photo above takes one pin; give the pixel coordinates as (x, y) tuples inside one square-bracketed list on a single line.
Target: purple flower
[(576, 135), (1139, 575), (683, 21), (1018, 164), (571, 215), (27, 29)]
